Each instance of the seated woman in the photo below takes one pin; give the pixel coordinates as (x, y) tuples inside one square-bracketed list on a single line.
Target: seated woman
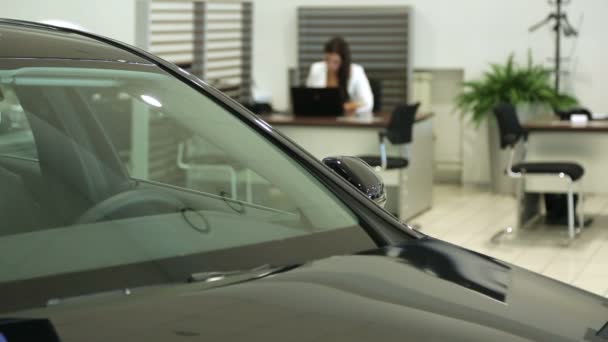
[(338, 71)]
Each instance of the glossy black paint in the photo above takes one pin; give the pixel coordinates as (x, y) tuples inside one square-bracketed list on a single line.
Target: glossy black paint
[(25, 330), (359, 174), (421, 289), (390, 294), (19, 41), (474, 271)]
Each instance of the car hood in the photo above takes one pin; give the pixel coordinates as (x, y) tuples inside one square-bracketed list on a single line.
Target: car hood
[(423, 290)]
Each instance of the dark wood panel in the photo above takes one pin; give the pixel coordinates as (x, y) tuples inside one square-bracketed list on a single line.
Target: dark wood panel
[(381, 119)]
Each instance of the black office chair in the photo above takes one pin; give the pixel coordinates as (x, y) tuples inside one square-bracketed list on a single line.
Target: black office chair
[(511, 133), (398, 132), (376, 86)]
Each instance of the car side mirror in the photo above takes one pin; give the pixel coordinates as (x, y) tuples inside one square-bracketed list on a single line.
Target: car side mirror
[(361, 175)]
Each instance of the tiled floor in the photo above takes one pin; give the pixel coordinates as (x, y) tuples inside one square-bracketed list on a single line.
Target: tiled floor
[(471, 217)]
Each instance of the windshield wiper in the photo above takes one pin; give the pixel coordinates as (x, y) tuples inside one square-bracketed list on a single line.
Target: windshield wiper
[(240, 275)]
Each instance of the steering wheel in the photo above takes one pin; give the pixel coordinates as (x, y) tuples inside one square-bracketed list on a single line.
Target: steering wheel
[(131, 203)]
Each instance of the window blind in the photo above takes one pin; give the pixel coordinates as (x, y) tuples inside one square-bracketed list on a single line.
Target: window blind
[(379, 38), (211, 39)]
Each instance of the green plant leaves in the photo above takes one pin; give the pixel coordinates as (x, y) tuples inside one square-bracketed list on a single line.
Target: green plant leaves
[(512, 83)]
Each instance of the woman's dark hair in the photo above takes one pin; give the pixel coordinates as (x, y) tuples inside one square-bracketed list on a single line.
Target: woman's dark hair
[(340, 46)]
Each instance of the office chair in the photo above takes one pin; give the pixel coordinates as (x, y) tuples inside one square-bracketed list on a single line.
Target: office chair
[(398, 132), (511, 133), (376, 86), (212, 165)]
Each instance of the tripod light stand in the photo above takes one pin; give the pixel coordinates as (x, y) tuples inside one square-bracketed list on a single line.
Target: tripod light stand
[(560, 25)]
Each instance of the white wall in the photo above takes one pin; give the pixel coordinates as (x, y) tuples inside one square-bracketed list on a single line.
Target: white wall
[(112, 18), (465, 34)]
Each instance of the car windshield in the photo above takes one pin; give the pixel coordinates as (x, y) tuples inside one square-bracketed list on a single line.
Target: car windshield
[(118, 174)]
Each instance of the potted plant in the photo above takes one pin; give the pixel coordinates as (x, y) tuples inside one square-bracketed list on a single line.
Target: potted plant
[(527, 87)]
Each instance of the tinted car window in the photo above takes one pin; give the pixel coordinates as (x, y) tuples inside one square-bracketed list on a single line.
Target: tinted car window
[(135, 167)]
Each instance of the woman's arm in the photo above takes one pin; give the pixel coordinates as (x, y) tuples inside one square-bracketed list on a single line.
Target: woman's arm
[(363, 92)]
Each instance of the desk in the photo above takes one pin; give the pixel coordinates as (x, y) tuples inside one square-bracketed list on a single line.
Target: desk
[(552, 139), (328, 136), (550, 125)]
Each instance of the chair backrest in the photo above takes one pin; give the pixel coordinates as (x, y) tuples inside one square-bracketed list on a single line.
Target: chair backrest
[(376, 86), (399, 129), (508, 125)]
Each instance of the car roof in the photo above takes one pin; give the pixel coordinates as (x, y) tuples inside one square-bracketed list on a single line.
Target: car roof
[(22, 39)]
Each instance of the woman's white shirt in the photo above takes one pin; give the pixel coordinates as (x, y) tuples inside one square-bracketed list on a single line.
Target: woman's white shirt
[(358, 88)]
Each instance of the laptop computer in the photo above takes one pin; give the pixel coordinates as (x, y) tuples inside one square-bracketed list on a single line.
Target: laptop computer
[(316, 101)]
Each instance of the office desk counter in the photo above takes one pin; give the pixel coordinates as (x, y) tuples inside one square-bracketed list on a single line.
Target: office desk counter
[(550, 125), (328, 136), (552, 139), (380, 120)]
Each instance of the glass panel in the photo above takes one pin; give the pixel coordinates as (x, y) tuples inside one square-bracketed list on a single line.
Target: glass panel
[(136, 166), (158, 144)]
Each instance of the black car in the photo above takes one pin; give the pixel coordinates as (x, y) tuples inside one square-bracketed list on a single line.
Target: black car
[(139, 204)]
